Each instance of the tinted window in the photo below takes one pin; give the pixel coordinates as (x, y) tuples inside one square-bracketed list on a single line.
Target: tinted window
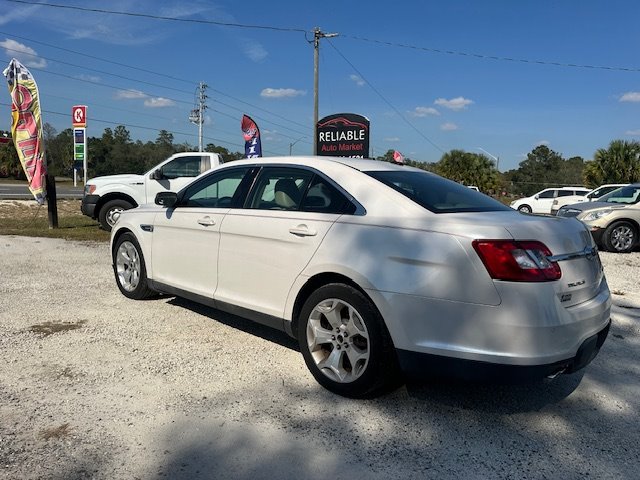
[(219, 190), (630, 194), (567, 193), (546, 194), (437, 194), (280, 188), (182, 167), (322, 197)]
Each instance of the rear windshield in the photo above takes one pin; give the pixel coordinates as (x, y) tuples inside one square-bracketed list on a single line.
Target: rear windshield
[(437, 194), (629, 194)]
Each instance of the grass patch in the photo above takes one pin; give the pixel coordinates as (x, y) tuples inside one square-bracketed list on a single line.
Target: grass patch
[(49, 328), (27, 218)]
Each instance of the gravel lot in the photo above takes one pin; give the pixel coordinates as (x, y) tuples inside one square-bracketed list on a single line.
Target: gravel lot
[(93, 385)]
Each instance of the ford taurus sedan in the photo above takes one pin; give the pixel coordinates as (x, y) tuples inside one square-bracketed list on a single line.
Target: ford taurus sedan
[(376, 269)]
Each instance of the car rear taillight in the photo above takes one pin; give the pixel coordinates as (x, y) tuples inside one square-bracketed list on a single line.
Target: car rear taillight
[(517, 261)]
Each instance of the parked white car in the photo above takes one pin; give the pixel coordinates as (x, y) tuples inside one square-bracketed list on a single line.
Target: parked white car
[(374, 268), (106, 197), (592, 196), (542, 201)]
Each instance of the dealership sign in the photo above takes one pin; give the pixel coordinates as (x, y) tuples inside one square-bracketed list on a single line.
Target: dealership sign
[(343, 135)]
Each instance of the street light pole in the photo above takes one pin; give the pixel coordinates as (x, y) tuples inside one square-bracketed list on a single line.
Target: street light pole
[(293, 143), (497, 159), (317, 35)]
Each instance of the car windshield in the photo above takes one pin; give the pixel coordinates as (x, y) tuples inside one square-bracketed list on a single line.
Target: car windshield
[(437, 194), (629, 194)]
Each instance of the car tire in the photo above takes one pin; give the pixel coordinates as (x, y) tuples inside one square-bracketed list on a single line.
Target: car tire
[(110, 212), (620, 237), (345, 343), (524, 209), (130, 269)]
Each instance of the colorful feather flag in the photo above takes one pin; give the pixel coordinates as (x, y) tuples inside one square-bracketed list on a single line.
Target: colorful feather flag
[(398, 157), (26, 126), (251, 133)]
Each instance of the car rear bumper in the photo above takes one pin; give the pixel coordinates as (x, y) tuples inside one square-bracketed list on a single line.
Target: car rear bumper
[(417, 365), (88, 205), (529, 327)]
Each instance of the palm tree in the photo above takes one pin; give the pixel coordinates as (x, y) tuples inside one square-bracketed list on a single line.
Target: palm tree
[(619, 163)]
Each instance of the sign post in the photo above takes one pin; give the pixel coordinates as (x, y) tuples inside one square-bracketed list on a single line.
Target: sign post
[(79, 121)]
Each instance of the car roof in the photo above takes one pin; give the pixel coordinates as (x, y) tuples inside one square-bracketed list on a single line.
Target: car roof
[(361, 164)]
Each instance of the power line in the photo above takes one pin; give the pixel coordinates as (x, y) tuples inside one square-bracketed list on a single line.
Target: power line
[(385, 99), (219, 92), (160, 17), (492, 57), (143, 127), (353, 37)]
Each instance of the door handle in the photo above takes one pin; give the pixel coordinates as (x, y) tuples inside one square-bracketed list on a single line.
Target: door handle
[(206, 221), (302, 231)]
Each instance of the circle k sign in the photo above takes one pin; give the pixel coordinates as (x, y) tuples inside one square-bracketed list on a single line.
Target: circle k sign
[(79, 116)]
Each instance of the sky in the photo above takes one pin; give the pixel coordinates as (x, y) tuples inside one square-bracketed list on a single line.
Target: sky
[(496, 76)]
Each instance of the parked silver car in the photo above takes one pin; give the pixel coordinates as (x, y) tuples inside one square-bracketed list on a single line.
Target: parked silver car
[(375, 268)]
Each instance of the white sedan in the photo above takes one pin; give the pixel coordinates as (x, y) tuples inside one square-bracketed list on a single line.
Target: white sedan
[(377, 269)]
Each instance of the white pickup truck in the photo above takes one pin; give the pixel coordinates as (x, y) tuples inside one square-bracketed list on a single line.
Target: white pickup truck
[(105, 197)]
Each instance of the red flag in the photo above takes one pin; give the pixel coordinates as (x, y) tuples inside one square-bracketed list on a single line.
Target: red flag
[(397, 157)]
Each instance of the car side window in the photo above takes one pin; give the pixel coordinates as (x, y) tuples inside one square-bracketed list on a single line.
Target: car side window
[(280, 188), (182, 167), (218, 190), (546, 194), (322, 197), (567, 193)]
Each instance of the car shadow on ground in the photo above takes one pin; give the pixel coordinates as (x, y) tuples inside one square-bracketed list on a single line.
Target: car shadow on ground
[(237, 322)]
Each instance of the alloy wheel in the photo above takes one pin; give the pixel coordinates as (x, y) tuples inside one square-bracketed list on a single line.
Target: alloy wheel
[(128, 266), (338, 340)]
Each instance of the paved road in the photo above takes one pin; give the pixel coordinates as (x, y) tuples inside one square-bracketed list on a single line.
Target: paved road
[(20, 191)]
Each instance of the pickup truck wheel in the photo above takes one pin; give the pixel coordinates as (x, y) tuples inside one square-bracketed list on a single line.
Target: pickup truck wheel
[(130, 269), (110, 212)]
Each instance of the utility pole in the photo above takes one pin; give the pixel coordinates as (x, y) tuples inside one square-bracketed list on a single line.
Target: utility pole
[(197, 114), (317, 35)]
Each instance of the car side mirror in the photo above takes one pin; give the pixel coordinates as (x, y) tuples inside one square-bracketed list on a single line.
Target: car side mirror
[(537, 197), (157, 174), (166, 199)]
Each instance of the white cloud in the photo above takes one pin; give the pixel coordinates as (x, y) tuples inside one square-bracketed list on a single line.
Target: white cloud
[(129, 94), (630, 97), (458, 103), (448, 127), (26, 55), (543, 142), (633, 133), (281, 93), (357, 80), (89, 78), (424, 111), (392, 139), (158, 102), (254, 51)]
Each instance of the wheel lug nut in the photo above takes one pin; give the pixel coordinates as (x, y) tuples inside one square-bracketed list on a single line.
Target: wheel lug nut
[(345, 334), (338, 347), (333, 337)]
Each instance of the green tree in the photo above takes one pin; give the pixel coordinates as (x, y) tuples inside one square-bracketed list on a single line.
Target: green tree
[(620, 163), (541, 169), (226, 155), (469, 169)]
